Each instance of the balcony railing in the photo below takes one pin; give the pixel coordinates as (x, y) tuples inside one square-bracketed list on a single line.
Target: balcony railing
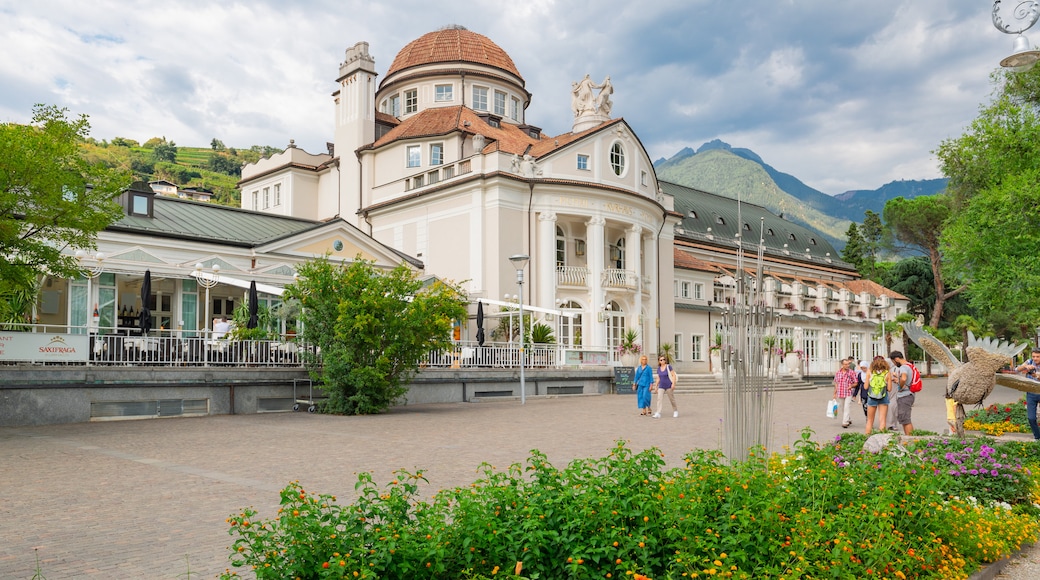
[(572, 276), (616, 278)]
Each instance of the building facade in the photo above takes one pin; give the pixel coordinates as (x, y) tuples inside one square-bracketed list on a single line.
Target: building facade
[(439, 161)]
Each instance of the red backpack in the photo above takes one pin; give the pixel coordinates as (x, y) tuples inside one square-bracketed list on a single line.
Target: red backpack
[(915, 379)]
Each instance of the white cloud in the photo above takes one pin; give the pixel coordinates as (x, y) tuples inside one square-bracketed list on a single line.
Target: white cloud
[(840, 95)]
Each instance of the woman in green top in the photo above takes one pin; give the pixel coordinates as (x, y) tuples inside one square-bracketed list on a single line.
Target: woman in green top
[(878, 384)]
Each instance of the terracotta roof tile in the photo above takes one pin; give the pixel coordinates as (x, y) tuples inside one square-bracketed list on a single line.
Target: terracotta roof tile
[(507, 138), (452, 44), (685, 260)]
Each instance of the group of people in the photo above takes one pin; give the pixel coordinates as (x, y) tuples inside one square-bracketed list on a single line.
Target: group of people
[(648, 381), (882, 388)]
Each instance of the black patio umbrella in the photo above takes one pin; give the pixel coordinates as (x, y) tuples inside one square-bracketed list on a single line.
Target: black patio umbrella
[(146, 314), (254, 306), (480, 323)]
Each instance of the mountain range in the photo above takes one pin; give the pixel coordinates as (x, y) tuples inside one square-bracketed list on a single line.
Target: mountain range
[(716, 167)]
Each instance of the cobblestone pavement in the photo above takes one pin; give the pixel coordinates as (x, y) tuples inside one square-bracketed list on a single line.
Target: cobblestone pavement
[(148, 499)]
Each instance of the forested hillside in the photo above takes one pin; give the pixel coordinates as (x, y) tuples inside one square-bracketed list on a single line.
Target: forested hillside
[(216, 169)]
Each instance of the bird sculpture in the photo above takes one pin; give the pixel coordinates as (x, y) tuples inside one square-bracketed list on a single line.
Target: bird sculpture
[(970, 382)]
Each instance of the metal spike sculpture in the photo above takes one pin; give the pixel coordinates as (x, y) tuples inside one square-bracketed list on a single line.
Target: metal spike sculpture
[(746, 322)]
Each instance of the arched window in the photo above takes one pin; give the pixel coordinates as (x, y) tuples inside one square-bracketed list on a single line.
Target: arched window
[(570, 327), (561, 248), (617, 159), (615, 324)]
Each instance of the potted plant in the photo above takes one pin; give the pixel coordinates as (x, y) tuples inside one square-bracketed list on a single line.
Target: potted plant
[(715, 353), (839, 312), (629, 349), (666, 352), (789, 306), (815, 309)]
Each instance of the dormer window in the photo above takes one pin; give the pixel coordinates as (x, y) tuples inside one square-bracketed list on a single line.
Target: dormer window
[(693, 214), (491, 120), (770, 232), (747, 227), (139, 200), (792, 237), (719, 220), (532, 131)]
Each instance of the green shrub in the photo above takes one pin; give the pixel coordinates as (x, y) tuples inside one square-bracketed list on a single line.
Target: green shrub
[(819, 511)]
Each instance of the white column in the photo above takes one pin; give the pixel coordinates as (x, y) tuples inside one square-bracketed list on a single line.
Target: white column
[(652, 247), (634, 263), (545, 262), (595, 250)]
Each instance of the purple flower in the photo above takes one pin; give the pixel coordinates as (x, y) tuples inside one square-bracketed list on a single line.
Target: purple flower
[(994, 473)]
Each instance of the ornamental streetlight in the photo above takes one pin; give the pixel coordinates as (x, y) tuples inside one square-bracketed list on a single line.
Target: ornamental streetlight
[(206, 282), (520, 262), (1015, 18)]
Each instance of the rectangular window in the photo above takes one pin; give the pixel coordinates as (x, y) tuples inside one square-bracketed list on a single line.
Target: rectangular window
[(443, 94), (256, 200), (480, 97), (856, 345), (696, 347), (277, 194), (417, 181), (642, 178), (433, 177), (411, 101), (500, 103), (684, 289), (678, 347), (414, 156), (698, 291), (139, 205), (437, 154), (583, 162), (449, 172), (395, 105), (514, 109), (267, 197)]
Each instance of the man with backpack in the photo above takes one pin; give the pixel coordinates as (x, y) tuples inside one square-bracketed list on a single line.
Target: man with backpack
[(904, 376)]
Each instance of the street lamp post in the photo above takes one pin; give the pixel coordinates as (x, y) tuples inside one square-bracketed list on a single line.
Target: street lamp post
[(91, 273), (520, 262), (207, 283), (1015, 18)]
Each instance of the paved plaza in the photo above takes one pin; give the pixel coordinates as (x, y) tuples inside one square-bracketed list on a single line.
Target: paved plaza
[(148, 498)]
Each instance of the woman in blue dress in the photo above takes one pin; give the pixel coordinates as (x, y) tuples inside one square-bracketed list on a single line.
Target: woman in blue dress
[(644, 377)]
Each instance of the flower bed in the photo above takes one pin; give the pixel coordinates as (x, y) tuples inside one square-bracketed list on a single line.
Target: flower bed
[(938, 508), (996, 420)]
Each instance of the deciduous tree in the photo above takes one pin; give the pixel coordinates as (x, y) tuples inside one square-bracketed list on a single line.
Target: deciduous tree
[(51, 198), (919, 222), (373, 326)]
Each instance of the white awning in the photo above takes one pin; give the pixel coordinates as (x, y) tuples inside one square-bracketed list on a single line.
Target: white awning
[(265, 288), (516, 306)]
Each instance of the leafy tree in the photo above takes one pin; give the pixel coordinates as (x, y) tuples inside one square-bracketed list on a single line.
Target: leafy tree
[(373, 326), (872, 232), (993, 170), (151, 143), (226, 164), (919, 222), (216, 144), (853, 250), (124, 142), (912, 277), (51, 198), (165, 151)]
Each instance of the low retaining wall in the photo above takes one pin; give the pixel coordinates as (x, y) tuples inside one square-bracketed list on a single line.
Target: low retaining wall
[(46, 395)]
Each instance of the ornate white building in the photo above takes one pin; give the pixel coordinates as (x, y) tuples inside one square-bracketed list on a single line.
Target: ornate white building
[(438, 161)]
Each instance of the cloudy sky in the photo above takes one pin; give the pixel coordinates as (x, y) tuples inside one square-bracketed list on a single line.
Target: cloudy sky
[(841, 94)]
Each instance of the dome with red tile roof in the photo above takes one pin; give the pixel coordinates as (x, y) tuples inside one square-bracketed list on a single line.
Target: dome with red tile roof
[(453, 44)]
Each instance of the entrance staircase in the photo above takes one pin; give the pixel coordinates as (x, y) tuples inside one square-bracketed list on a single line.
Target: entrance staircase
[(713, 384)]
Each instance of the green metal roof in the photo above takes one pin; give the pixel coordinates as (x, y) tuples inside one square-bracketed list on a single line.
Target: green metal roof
[(207, 222), (716, 219)]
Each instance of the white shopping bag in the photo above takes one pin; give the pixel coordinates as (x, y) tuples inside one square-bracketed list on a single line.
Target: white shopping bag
[(832, 409)]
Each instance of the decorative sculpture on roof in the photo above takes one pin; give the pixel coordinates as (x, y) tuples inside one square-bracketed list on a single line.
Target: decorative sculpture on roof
[(525, 166), (971, 382), (583, 102)]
